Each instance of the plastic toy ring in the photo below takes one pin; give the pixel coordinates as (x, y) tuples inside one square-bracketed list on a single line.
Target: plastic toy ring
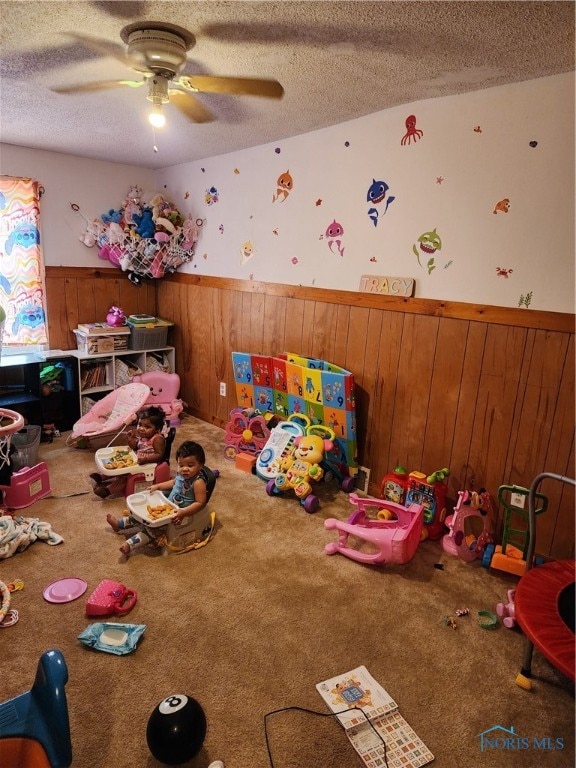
[(10, 619), (14, 586), (492, 622)]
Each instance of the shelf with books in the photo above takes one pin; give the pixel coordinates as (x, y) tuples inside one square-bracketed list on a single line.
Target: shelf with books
[(99, 374)]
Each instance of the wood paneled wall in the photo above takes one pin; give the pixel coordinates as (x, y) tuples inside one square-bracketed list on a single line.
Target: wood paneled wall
[(486, 391), (83, 295)]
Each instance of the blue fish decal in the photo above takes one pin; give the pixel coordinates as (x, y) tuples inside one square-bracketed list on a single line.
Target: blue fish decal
[(376, 194)]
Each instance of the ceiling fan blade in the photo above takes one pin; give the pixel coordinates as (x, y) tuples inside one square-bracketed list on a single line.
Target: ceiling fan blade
[(190, 106), (103, 47), (99, 85), (240, 86)]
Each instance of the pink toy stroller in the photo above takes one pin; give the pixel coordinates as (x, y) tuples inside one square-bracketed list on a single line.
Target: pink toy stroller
[(108, 418), (395, 540)]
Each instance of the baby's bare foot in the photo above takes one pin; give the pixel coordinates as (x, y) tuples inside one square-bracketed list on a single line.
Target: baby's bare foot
[(112, 522), (125, 549)]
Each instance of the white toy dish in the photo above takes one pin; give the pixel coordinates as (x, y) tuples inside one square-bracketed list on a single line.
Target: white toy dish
[(139, 505), (107, 460)]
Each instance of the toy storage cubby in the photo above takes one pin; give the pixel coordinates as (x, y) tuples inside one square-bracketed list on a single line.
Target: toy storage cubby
[(101, 373)]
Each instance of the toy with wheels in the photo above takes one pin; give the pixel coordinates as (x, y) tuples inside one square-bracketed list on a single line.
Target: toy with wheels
[(279, 445), (34, 726), (394, 534), (470, 526), (430, 491), (334, 463), (510, 556), (246, 432), (299, 469)]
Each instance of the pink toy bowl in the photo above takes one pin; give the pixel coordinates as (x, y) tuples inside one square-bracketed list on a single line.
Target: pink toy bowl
[(392, 540)]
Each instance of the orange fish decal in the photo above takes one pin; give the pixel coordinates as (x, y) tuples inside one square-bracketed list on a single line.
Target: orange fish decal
[(284, 184), (502, 205)]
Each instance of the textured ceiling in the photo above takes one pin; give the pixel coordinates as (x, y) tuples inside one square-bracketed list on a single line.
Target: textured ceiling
[(335, 60)]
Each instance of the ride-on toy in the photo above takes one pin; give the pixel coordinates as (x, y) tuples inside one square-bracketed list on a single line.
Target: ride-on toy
[(394, 534), (302, 466)]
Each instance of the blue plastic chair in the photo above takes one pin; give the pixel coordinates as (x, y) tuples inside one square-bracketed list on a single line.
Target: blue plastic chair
[(40, 715)]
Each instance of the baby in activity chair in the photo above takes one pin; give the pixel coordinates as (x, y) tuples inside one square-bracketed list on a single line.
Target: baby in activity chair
[(149, 443), (190, 490)]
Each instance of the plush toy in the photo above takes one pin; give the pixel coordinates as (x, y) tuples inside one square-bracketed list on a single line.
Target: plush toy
[(145, 224), (93, 230), (111, 252), (115, 232), (166, 224), (157, 203), (112, 215), (116, 316), (189, 233)]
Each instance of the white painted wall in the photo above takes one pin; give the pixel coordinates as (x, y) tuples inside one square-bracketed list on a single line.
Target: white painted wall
[(450, 179), (93, 185)]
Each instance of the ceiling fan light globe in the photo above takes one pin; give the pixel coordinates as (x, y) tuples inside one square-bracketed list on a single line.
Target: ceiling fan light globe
[(156, 118)]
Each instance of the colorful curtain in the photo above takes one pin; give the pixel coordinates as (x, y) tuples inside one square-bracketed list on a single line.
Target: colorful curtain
[(21, 266)]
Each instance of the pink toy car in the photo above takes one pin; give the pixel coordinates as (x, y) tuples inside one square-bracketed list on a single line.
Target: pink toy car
[(394, 534)]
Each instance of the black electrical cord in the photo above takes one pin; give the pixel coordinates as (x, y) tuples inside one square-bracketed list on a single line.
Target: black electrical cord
[(320, 714)]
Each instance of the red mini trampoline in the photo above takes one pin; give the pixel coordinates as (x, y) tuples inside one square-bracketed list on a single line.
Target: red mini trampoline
[(544, 604)]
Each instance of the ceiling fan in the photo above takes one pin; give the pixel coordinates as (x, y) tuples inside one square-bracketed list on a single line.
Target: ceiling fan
[(158, 51)]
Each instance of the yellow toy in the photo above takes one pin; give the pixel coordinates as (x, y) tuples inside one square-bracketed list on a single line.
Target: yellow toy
[(300, 467)]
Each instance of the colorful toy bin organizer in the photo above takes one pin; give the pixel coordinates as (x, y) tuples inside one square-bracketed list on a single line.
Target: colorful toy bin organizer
[(289, 384)]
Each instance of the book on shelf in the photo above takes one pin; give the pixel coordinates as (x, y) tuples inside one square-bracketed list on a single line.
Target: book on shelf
[(101, 329), (372, 722)]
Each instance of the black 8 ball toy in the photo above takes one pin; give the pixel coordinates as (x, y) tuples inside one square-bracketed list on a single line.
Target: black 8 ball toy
[(176, 729)]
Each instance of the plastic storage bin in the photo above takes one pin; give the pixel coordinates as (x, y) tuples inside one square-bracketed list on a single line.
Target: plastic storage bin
[(148, 338), (98, 345), (26, 443)]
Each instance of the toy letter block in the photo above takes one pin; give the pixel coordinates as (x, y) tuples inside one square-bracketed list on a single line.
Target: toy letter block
[(281, 404), (279, 374), (264, 398), (313, 385), (296, 404), (333, 390), (262, 371), (245, 395), (295, 379), (241, 363)]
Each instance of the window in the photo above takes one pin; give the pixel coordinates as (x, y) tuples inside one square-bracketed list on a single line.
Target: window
[(22, 294)]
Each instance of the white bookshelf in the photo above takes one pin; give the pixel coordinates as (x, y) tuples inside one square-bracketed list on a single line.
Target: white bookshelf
[(93, 386)]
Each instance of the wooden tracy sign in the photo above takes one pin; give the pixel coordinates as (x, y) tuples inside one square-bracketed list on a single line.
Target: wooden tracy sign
[(387, 286)]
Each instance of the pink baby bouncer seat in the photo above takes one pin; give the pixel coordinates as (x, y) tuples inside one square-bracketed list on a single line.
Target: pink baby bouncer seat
[(108, 418)]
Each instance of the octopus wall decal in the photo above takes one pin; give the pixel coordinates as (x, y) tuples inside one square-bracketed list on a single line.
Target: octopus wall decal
[(411, 131)]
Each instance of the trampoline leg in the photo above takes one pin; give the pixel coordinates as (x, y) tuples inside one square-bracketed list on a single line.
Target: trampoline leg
[(523, 679)]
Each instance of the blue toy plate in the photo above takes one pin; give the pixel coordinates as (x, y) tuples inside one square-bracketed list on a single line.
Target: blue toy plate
[(112, 637)]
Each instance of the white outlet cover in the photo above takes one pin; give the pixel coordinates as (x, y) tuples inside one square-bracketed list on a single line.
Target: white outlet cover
[(518, 500)]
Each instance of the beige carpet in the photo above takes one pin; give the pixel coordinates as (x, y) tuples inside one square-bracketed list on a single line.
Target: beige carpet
[(251, 622)]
